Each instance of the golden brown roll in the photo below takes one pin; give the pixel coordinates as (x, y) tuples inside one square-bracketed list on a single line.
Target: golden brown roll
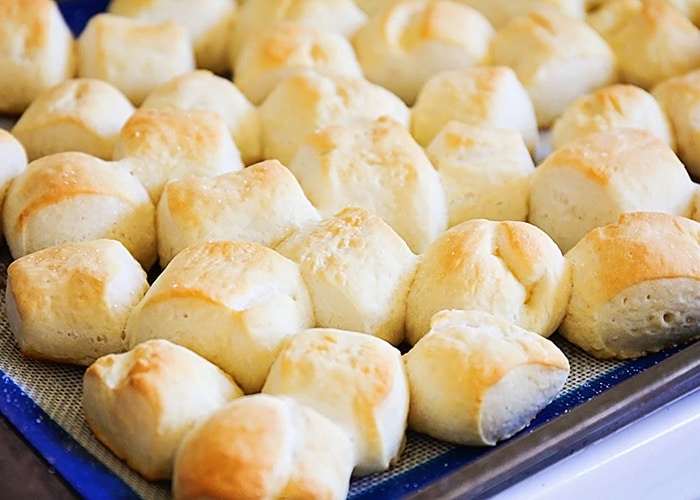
[(142, 403), (262, 446), (132, 55), (262, 204), (13, 160), (556, 57), (235, 303), (592, 180), (404, 45), (354, 379), (69, 303), (80, 114), (72, 197), (510, 269), (376, 165), (358, 271), (501, 12), (485, 172), (477, 379), (37, 51), (635, 286)]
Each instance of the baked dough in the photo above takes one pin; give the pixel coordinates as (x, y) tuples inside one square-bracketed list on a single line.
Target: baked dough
[(13, 160), (69, 303), (202, 89), (305, 103), (635, 286), (592, 180), (510, 269), (80, 114), (132, 55), (477, 379), (404, 45), (556, 57), (485, 172), (501, 12), (358, 271), (262, 446), (483, 95), (613, 106), (262, 204), (37, 51), (235, 303), (285, 48), (377, 165), (357, 381), (141, 403), (71, 197)]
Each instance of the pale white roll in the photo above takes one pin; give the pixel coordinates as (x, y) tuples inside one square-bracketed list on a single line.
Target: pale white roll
[(501, 12), (141, 403), (208, 22), (652, 41), (376, 165), (483, 95), (80, 114), (510, 269), (283, 49), (166, 144), (357, 381), (556, 57), (358, 271), (132, 55), (484, 171), (37, 51), (202, 89), (69, 303), (341, 16), (613, 106), (679, 97), (477, 379), (71, 197), (235, 303), (592, 180), (635, 286), (262, 446), (13, 160), (404, 45), (305, 103), (263, 204)]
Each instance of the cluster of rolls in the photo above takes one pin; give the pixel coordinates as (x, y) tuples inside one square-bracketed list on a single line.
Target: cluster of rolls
[(280, 234)]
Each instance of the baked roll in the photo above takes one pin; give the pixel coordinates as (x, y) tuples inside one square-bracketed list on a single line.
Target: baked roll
[(166, 144), (489, 96), (510, 269), (485, 172), (202, 89), (80, 114), (234, 303), (651, 40), (477, 379), (262, 203), (72, 197), (132, 55), (209, 24), (13, 160), (556, 57), (357, 381), (304, 103), (404, 45), (141, 403), (261, 446), (69, 303), (377, 165), (501, 12), (37, 51), (635, 286), (613, 106), (592, 180), (282, 49), (358, 271)]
